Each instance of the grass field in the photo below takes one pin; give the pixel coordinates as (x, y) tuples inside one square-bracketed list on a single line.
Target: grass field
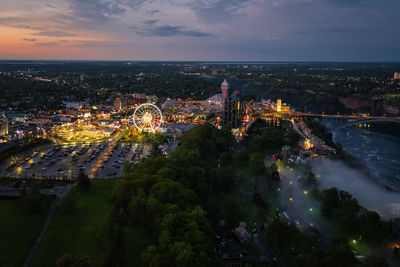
[(78, 221), (18, 231)]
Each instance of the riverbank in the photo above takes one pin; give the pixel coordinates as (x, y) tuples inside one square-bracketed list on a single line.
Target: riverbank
[(347, 158), (377, 146)]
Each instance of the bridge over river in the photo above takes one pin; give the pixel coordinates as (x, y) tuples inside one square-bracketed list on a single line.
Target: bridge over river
[(348, 120)]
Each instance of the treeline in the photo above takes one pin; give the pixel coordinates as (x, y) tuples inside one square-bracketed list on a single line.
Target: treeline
[(172, 85), (300, 250), (353, 219), (166, 196)]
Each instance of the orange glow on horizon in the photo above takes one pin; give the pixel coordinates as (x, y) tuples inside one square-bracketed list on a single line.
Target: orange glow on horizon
[(21, 43)]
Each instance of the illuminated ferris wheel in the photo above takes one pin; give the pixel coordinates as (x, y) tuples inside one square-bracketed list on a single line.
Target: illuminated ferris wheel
[(147, 117)]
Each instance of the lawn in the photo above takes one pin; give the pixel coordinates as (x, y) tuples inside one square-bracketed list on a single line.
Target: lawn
[(78, 222), (18, 231)]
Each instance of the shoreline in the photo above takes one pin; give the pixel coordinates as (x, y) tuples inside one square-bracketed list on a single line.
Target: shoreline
[(346, 157)]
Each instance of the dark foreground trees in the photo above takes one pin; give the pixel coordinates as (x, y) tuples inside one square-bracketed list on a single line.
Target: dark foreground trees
[(166, 197)]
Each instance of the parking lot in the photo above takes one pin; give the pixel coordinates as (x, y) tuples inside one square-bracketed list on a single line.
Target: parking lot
[(66, 161)]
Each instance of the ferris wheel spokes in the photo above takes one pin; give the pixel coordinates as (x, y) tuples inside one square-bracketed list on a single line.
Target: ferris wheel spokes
[(147, 117)]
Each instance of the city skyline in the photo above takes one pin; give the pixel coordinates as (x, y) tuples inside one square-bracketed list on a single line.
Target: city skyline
[(217, 30)]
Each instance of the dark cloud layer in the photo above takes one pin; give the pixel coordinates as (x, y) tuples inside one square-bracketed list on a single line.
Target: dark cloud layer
[(349, 30), (168, 31)]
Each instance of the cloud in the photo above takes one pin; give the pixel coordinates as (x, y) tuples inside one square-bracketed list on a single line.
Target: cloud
[(15, 22), (29, 39), (80, 43), (47, 44), (96, 10), (150, 22), (54, 33), (168, 31), (221, 11), (104, 10), (152, 12), (221, 4), (229, 29)]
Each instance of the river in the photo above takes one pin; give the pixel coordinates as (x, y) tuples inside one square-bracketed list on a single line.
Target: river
[(377, 146)]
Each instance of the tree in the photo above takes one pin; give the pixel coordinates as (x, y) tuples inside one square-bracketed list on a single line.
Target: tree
[(84, 262), (374, 228), (183, 253), (330, 201), (116, 253), (350, 223), (375, 261), (257, 165), (243, 157), (83, 181), (278, 234), (151, 256), (341, 255), (224, 179), (65, 261)]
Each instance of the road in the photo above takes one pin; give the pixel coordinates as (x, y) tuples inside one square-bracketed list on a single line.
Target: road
[(298, 207)]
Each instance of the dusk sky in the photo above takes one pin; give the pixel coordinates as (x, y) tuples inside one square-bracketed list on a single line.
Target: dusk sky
[(254, 30)]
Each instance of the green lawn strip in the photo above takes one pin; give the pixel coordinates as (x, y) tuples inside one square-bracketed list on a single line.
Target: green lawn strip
[(18, 231), (73, 226)]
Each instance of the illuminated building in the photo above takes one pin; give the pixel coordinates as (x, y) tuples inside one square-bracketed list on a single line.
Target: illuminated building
[(215, 100), (117, 104), (3, 125), (135, 99), (234, 110), (396, 76), (282, 108), (225, 90), (278, 105), (73, 105)]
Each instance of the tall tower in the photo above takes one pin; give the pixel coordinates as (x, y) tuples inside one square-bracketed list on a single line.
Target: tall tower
[(279, 105), (225, 90), (234, 110)]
